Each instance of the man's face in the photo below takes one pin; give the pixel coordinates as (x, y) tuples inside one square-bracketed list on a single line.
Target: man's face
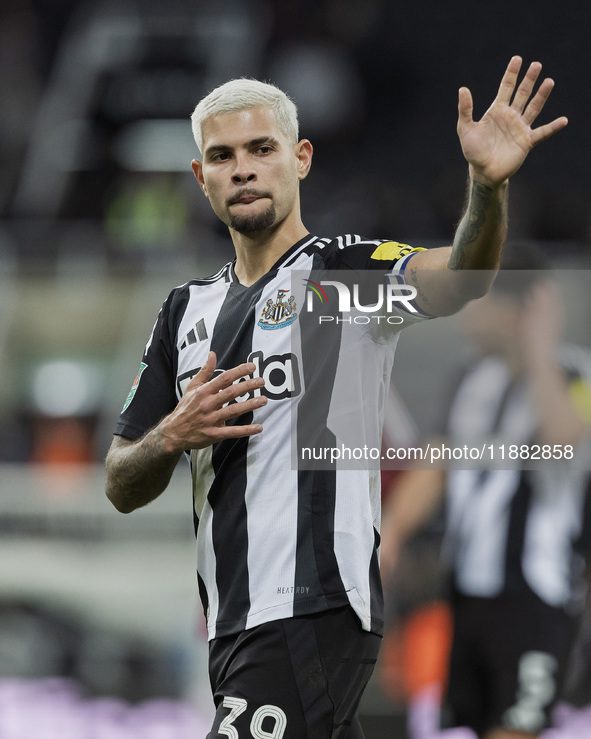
[(250, 170)]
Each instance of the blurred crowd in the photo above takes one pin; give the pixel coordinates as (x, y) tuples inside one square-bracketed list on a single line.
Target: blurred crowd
[(375, 84)]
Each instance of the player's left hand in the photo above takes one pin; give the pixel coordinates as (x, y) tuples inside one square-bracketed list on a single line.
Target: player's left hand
[(497, 145)]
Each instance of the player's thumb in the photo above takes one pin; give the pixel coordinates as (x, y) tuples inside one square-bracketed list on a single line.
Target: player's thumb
[(465, 106), (205, 373)]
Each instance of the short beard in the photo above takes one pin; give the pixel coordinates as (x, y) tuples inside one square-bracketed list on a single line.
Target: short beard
[(249, 224)]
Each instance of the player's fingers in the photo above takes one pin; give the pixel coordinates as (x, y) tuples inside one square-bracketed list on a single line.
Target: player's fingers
[(524, 90), (228, 377), (205, 373), (544, 132), (235, 432), (224, 379), (237, 389), (538, 101), (238, 409), (509, 80)]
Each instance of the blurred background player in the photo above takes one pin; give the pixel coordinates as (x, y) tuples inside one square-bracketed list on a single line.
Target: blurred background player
[(511, 535)]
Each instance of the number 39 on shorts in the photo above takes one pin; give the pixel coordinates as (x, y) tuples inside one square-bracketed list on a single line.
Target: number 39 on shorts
[(268, 722)]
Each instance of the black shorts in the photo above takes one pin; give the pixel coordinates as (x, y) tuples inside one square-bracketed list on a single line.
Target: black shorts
[(507, 664), (296, 678)]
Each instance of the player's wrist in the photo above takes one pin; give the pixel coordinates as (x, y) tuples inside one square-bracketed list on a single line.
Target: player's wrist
[(480, 176), (168, 442)]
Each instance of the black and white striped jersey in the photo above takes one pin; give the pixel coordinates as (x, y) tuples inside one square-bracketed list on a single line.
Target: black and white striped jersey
[(510, 530), (274, 541)]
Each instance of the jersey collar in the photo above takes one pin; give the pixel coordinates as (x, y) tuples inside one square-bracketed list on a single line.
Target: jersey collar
[(285, 260)]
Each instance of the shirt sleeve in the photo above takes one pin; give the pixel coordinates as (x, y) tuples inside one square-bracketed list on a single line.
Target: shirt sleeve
[(152, 395), (387, 257), (376, 255)]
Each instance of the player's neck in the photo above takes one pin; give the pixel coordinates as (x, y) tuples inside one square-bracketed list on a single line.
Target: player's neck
[(257, 253)]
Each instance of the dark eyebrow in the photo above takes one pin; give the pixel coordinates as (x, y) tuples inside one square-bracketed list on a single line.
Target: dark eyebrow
[(263, 140), (253, 143), (213, 149)]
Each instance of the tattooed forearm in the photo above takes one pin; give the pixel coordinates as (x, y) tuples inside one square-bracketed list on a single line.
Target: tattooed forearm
[(482, 230), (137, 472), (447, 278)]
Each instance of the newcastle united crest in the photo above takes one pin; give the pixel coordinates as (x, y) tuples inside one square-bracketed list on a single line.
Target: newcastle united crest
[(280, 313)]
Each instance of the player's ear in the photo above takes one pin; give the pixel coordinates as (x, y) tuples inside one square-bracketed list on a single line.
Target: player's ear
[(303, 151), (197, 168)]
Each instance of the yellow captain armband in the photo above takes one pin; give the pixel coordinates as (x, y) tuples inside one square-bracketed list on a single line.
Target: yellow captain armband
[(391, 250), (580, 393)]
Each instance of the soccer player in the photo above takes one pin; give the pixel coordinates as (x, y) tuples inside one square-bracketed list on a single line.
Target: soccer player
[(287, 559)]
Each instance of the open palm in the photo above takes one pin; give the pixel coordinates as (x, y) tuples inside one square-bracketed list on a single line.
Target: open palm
[(497, 144)]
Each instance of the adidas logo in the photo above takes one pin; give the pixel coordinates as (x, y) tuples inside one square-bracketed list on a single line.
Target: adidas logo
[(198, 333)]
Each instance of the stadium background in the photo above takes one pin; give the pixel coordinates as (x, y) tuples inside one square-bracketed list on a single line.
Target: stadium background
[(100, 216)]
